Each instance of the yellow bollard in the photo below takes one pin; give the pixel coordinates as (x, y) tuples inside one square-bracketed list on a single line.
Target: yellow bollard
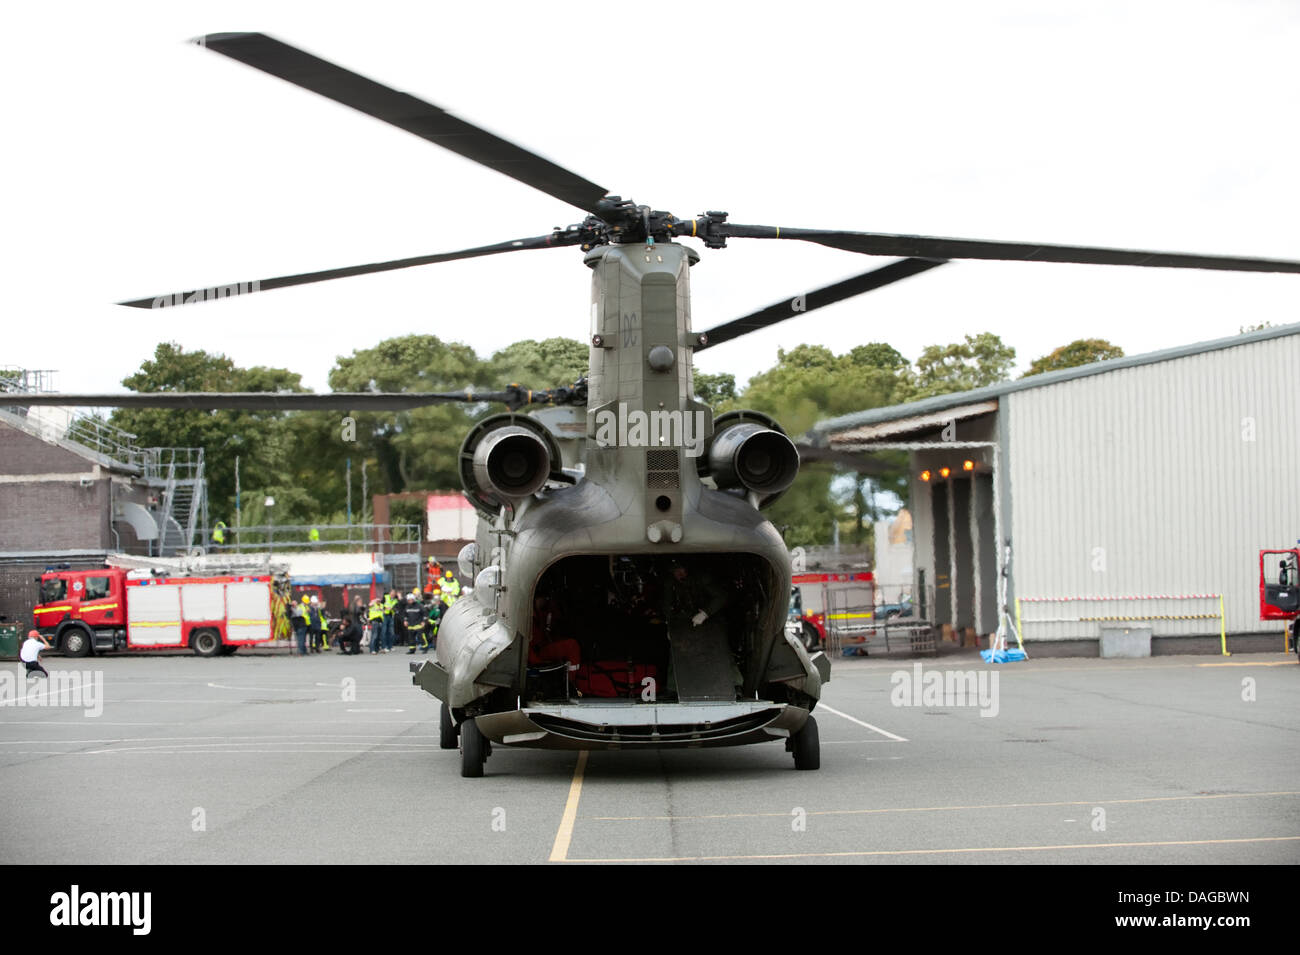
[(1223, 629)]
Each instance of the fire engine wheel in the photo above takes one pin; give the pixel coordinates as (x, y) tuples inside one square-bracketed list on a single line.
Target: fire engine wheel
[(76, 642), (446, 730), (206, 643), (473, 749), (810, 637), (807, 747)]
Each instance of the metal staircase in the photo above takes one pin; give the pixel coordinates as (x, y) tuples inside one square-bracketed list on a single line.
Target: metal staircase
[(184, 499)]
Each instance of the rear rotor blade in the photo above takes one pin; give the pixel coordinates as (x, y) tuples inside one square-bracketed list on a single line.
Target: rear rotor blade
[(819, 298), (306, 278), (880, 243), (406, 112), (256, 400)]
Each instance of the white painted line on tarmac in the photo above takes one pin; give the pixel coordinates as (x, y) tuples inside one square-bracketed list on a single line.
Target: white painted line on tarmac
[(350, 710), (564, 835), (854, 719)]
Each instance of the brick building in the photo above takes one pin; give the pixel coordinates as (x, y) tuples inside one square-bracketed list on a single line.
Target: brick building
[(74, 489)]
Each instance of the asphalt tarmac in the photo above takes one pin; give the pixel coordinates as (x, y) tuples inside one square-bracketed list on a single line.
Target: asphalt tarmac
[(266, 758)]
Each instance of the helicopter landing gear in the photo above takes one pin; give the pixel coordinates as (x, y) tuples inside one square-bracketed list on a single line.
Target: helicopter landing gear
[(806, 746), (475, 748), (446, 730)]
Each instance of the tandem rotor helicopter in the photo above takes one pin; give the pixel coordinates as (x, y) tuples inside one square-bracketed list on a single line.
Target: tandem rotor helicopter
[(628, 591)]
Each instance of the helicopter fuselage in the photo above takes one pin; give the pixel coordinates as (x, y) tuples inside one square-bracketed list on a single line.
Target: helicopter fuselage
[(639, 606)]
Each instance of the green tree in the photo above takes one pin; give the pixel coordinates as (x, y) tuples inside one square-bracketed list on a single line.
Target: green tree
[(412, 449), (261, 439), (550, 363), (716, 391), (1083, 351), (981, 360), (809, 383)]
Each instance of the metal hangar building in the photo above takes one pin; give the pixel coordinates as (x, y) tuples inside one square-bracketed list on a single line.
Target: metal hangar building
[(1134, 493)]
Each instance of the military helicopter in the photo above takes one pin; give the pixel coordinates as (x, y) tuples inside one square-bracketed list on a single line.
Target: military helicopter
[(628, 591)]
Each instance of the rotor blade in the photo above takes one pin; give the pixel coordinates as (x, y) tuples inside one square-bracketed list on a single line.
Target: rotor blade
[(818, 298), (256, 400), (881, 243), (406, 112), (306, 278)]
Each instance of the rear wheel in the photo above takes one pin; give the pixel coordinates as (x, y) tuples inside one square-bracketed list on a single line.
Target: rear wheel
[(206, 643), (446, 730), (473, 749), (807, 746), (76, 642)]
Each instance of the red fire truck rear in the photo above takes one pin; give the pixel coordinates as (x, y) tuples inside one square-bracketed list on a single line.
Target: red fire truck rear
[(1279, 590), (821, 601), (110, 609)]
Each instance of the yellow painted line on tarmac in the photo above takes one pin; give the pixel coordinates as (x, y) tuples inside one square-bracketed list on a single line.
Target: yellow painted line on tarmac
[(1280, 663), (866, 669), (564, 835), (925, 852), (1000, 805)]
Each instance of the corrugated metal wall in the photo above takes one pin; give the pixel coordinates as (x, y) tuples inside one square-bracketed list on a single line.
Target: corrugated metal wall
[(1160, 479)]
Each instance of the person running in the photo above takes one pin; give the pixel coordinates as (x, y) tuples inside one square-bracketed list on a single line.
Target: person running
[(30, 653)]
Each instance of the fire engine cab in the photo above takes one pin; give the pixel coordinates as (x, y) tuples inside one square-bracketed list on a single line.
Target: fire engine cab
[(110, 608), (1279, 589)]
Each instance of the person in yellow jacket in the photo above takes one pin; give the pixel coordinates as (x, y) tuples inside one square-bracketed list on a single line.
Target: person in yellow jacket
[(315, 623), (375, 618), (390, 608), (450, 589)]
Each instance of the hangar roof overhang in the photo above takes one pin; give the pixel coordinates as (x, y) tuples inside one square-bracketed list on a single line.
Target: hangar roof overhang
[(936, 411), (910, 425)]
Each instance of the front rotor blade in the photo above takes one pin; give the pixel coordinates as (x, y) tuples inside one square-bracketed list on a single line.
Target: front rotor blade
[(306, 278), (931, 247), (255, 400), (406, 112), (818, 298)]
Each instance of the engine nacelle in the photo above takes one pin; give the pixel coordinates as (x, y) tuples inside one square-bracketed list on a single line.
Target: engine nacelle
[(749, 450), (505, 459)]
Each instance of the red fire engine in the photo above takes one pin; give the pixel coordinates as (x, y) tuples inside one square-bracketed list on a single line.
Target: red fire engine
[(110, 608), (819, 598), (1279, 589)]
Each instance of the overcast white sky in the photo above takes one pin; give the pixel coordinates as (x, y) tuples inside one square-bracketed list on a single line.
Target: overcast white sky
[(137, 164)]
